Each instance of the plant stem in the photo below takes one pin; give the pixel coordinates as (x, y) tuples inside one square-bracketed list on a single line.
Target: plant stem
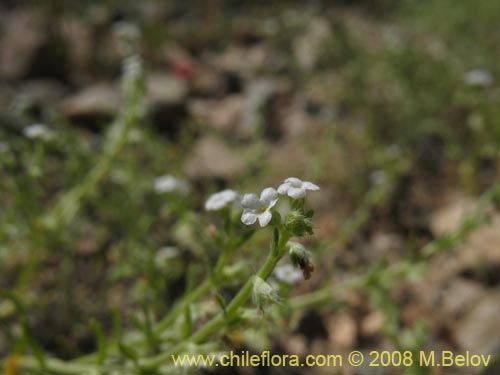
[(218, 322), (56, 366)]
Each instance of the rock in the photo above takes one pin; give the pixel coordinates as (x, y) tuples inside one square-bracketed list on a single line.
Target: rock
[(224, 115), (241, 115), (343, 332), (206, 83), (371, 325), (78, 35), (165, 88), (295, 344), (459, 296), (289, 159), (478, 330), (244, 60), (93, 106), (212, 158), (308, 47), (447, 219), (481, 249), (299, 122), (23, 34)]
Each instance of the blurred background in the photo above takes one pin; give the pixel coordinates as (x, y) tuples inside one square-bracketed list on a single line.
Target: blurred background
[(392, 107)]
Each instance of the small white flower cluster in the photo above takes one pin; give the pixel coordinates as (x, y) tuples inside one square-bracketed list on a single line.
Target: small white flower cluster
[(288, 274), (220, 200), (258, 208), (478, 77), (171, 184), (295, 188), (38, 131)]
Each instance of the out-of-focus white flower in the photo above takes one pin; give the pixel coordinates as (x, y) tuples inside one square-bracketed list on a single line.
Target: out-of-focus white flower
[(171, 184), (288, 274), (38, 131), (165, 254), (4, 147), (221, 200), (478, 77), (127, 30), (295, 188), (378, 177), (259, 208)]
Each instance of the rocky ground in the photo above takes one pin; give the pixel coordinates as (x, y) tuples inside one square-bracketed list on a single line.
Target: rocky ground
[(362, 97)]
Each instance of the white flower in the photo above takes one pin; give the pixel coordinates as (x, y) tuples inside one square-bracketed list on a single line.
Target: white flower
[(220, 200), (170, 184), (164, 255), (259, 208), (288, 274), (40, 131), (478, 77), (4, 147), (295, 188)]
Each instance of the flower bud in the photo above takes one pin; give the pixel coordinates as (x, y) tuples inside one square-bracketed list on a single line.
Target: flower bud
[(263, 293), (301, 258), (298, 224)]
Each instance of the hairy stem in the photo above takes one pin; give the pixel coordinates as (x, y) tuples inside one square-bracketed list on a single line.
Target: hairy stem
[(218, 322)]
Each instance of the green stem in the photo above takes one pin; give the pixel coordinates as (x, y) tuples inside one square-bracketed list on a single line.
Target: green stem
[(56, 366), (217, 323)]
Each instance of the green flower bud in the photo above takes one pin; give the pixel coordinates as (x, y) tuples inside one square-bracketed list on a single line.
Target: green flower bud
[(298, 224), (301, 258), (263, 293)]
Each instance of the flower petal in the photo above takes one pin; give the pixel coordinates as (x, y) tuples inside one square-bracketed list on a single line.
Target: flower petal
[(272, 203), (268, 194), (294, 181), (296, 192), (248, 217), (220, 200), (250, 201), (310, 186), (265, 218), (283, 188)]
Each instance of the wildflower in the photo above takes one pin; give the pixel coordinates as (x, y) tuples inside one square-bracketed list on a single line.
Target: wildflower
[(378, 177), (263, 293), (478, 77), (221, 200), (170, 184), (39, 131), (164, 255), (259, 208), (128, 36), (126, 30), (288, 274), (301, 258), (295, 188)]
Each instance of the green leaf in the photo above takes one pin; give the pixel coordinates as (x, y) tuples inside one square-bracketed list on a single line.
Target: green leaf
[(101, 341), (128, 352), (188, 322), (222, 302)]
